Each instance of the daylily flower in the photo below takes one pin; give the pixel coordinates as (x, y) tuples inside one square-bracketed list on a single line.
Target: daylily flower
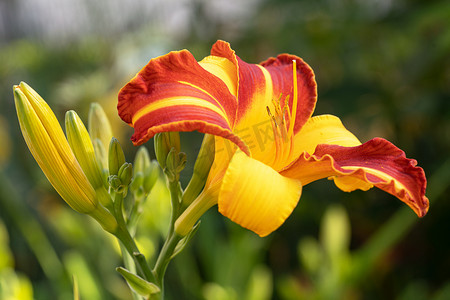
[(268, 145)]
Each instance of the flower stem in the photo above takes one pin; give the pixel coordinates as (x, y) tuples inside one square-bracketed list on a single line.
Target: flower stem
[(128, 242), (172, 239)]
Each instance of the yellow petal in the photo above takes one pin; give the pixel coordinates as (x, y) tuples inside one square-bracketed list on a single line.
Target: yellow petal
[(323, 129), (255, 196)]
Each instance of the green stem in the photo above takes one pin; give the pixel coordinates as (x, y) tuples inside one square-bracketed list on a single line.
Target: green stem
[(172, 238), (130, 266), (164, 258), (127, 240)]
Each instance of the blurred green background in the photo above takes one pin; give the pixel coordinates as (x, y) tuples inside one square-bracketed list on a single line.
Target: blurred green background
[(382, 66)]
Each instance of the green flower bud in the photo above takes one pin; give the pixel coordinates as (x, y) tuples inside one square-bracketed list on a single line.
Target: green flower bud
[(137, 182), (114, 182), (102, 159), (175, 163), (142, 161), (151, 176), (98, 124), (164, 142), (116, 157), (125, 174), (83, 149)]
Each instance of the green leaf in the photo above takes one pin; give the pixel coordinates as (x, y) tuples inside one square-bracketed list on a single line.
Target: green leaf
[(138, 284)]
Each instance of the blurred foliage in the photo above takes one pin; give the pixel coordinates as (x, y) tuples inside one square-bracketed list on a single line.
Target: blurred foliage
[(382, 66)]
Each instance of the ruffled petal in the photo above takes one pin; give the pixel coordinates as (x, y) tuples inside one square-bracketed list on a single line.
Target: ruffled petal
[(323, 129), (255, 196), (174, 93), (280, 70), (376, 162)]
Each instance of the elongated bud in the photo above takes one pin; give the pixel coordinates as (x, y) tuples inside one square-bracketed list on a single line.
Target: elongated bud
[(151, 176), (205, 159), (137, 185), (98, 124), (164, 142), (102, 158), (141, 161), (81, 144), (145, 173), (49, 146), (116, 157)]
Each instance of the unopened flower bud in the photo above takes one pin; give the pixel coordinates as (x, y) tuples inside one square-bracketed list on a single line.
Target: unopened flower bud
[(175, 163), (102, 158), (125, 173), (142, 161), (49, 146), (81, 144), (137, 182), (98, 124), (151, 176), (114, 182), (164, 142), (116, 157)]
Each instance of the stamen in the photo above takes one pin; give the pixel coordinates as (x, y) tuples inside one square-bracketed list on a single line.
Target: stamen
[(294, 100), (272, 118)]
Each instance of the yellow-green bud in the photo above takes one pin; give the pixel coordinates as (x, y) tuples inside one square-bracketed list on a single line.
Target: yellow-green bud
[(205, 159), (175, 163), (48, 144), (142, 160), (83, 149), (126, 173), (98, 124), (151, 176), (114, 182), (137, 183), (116, 157), (102, 158), (164, 142)]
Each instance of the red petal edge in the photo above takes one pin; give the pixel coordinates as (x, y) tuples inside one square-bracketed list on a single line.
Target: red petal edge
[(378, 154)]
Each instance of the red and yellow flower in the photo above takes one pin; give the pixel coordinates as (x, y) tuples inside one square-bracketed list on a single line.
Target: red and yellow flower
[(268, 145)]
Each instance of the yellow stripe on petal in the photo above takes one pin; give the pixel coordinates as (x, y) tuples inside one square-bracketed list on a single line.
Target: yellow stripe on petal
[(255, 196), (177, 101), (222, 68)]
